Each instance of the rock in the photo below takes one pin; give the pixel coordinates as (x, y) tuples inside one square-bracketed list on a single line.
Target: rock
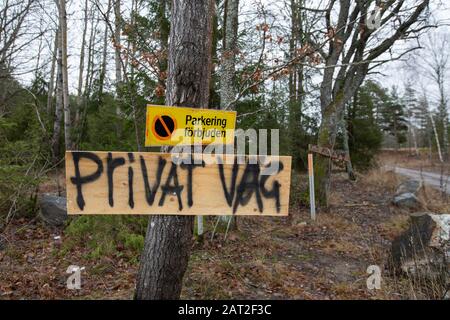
[(407, 200), (53, 209), (406, 195), (424, 249), (409, 186)]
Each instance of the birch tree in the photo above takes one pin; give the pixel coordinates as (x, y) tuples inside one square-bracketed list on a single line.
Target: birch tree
[(229, 51), (59, 106), (64, 73), (434, 62), (117, 48), (81, 64), (348, 164), (51, 83), (104, 53), (296, 80), (227, 90)]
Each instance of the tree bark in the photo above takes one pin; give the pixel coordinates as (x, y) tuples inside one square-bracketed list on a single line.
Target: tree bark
[(327, 138), (51, 83), (164, 29), (88, 78), (65, 77), (443, 115), (438, 145), (296, 83), (117, 46), (81, 66), (348, 164), (59, 104), (414, 139), (104, 55), (227, 89), (90, 63), (167, 244)]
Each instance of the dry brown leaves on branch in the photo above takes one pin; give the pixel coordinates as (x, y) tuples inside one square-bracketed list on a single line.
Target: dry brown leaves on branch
[(160, 91), (263, 26)]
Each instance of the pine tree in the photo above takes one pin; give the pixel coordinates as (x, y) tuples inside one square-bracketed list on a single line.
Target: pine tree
[(394, 120), (364, 133)]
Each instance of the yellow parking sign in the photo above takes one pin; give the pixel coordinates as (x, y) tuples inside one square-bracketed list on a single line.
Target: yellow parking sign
[(187, 126)]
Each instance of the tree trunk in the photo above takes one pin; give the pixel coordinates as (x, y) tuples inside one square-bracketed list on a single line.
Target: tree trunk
[(117, 46), (51, 83), (89, 75), (81, 66), (167, 244), (227, 90), (104, 55), (327, 138), (90, 63), (414, 138), (59, 105), (348, 164), (65, 77), (438, 145), (445, 135), (296, 83), (132, 43), (164, 29)]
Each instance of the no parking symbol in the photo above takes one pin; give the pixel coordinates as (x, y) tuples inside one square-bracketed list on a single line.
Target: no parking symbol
[(163, 126), (187, 126)]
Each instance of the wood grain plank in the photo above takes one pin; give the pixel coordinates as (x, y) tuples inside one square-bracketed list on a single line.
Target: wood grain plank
[(102, 188)]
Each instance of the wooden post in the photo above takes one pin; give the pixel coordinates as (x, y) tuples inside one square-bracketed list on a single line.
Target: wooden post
[(312, 200), (199, 225)]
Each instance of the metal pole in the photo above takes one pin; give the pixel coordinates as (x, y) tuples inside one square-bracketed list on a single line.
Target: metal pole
[(199, 225), (312, 200)]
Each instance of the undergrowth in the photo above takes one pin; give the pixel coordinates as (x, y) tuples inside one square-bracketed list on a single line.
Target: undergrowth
[(121, 236)]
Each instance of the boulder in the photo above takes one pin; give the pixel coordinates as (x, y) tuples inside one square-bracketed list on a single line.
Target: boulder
[(424, 248), (407, 200), (53, 209), (409, 186), (406, 195)]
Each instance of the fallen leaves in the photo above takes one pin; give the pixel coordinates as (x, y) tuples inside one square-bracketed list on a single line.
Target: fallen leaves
[(277, 258)]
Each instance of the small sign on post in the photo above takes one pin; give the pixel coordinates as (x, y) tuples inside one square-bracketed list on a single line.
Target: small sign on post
[(170, 126), (312, 199), (187, 126), (337, 155)]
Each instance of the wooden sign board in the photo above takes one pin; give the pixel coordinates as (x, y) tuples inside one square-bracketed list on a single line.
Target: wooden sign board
[(333, 154), (151, 183), (187, 126)]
